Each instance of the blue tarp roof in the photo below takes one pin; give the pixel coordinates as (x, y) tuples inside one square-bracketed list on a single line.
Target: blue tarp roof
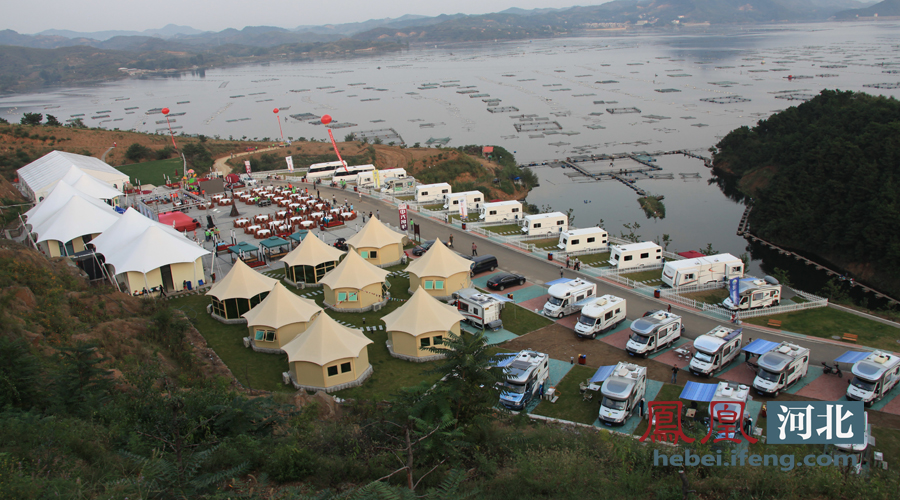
[(760, 346), (695, 391), (602, 373), (557, 282), (852, 357), (501, 298), (504, 359)]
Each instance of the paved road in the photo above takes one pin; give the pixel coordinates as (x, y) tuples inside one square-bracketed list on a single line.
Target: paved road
[(224, 169), (541, 271)]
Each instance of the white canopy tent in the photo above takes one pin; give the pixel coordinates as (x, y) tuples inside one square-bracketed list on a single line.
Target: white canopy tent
[(78, 217), (56, 200), (90, 185), (40, 176)]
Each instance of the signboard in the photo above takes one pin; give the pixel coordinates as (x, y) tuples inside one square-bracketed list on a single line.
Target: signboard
[(734, 287), (816, 422), (247, 166), (404, 223), (290, 162), (463, 209)]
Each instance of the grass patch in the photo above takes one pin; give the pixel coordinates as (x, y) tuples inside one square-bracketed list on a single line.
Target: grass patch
[(798, 299), (503, 228), (570, 405), (546, 243), (888, 442), (470, 218), (654, 276), (520, 321), (670, 392), (154, 172), (438, 207), (826, 322), (595, 259), (708, 296), (406, 198), (653, 206)]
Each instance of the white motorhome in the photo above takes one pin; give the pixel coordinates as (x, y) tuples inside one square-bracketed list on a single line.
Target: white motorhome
[(428, 193), (642, 254), (551, 224), (781, 367), (727, 401), (398, 185), (322, 170), (473, 200), (589, 238), (350, 174), (622, 392), (752, 293), (600, 315), (526, 376), (715, 350), (653, 332), (501, 211), (874, 377), (856, 452), (708, 269), (569, 297), (479, 309)]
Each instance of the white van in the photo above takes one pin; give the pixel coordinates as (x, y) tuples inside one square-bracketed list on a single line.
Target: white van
[(429, 193), (653, 332), (501, 211), (600, 316), (622, 392), (715, 350), (550, 224), (349, 174), (473, 200), (589, 238), (632, 255), (322, 170), (780, 368), (752, 293), (569, 297), (874, 377), (525, 379), (701, 270)]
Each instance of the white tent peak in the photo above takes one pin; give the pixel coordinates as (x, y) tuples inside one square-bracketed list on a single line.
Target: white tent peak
[(374, 234), (89, 184), (439, 261), (241, 282), (354, 272), (282, 307), (324, 341), (311, 252), (57, 199), (422, 313), (78, 217)]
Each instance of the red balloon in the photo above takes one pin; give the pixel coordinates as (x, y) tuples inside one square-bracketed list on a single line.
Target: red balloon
[(165, 111), (275, 110), (326, 119)]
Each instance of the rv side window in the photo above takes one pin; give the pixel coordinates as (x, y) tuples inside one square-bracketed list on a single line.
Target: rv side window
[(424, 193), (493, 212), (618, 311), (536, 225), (736, 269), (515, 210), (560, 222), (575, 242), (590, 292), (689, 276), (608, 315), (463, 306), (792, 370), (477, 199), (456, 202), (628, 257), (444, 191), (475, 310), (591, 239), (645, 255)]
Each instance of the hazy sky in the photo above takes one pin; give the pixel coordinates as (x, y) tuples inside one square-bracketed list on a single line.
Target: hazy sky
[(215, 15)]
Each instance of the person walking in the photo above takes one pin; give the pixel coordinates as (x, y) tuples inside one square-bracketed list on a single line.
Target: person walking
[(560, 273), (669, 309), (474, 249), (567, 261), (378, 214), (450, 240), (674, 374)]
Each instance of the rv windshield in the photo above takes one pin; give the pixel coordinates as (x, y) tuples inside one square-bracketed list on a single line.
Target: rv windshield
[(512, 387), (702, 356), (613, 404), (587, 320), (640, 339), (862, 384), (555, 300), (767, 375)]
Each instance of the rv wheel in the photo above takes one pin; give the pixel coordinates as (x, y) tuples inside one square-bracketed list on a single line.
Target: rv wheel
[(775, 303)]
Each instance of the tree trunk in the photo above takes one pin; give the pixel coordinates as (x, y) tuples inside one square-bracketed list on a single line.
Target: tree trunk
[(409, 462)]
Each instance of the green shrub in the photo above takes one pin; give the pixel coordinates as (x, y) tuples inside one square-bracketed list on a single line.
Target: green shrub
[(290, 463)]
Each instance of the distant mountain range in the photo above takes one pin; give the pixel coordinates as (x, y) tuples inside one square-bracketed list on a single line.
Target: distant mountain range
[(167, 31), (882, 9)]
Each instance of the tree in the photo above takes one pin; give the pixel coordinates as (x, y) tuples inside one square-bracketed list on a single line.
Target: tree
[(782, 276), (79, 383), (666, 241), (834, 290), (76, 123), (31, 119), (136, 152), (709, 250), (4, 121), (349, 137), (632, 234), (570, 214), (53, 122), (19, 372)]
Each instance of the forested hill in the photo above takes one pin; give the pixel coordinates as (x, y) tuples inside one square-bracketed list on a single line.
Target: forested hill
[(824, 178)]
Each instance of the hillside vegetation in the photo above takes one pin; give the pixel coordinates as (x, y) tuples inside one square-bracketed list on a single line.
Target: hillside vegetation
[(824, 180)]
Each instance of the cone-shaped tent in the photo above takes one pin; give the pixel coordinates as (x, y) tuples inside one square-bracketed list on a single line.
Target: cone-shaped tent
[(72, 226), (421, 322), (328, 356), (238, 292), (377, 244), (310, 261), (280, 317), (440, 271), (354, 285)]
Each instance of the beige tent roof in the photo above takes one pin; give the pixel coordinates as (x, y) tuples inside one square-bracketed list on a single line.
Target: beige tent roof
[(375, 235), (354, 272), (422, 313), (324, 341), (281, 307), (311, 252), (439, 261), (241, 282)]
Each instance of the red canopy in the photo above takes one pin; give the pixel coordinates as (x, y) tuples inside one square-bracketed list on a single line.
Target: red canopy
[(233, 178), (691, 254), (181, 221)]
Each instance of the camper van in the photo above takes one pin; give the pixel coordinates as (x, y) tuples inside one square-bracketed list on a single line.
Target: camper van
[(318, 171), (479, 309), (500, 211), (569, 297), (589, 238), (377, 178), (600, 315), (622, 392), (855, 452), (432, 193), (350, 174), (550, 224), (715, 350), (781, 367), (653, 332), (701, 270), (728, 398), (874, 377), (526, 376), (635, 255), (473, 200), (398, 185), (752, 293)]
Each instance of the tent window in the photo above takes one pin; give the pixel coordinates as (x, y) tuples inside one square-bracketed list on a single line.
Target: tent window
[(342, 297), (265, 335), (345, 367), (364, 254), (425, 342), (332, 371), (219, 308), (373, 254), (438, 285), (439, 340), (353, 297), (429, 285)]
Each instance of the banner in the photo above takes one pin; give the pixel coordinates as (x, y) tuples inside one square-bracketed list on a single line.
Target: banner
[(404, 224), (290, 162), (463, 208), (734, 288), (247, 166)]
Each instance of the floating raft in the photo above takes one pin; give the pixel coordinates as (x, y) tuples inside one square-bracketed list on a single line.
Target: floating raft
[(466, 91), (606, 102), (385, 134), (183, 102), (537, 127), (504, 109), (666, 91), (473, 96), (595, 127), (337, 125), (355, 84), (656, 117), (257, 93), (680, 75), (127, 109), (178, 114), (730, 99), (98, 117), (160, 122), (886, 86), (304, 116), (552, 85), (442, 140), (370, 99), (300, 90), (323, 88), (606, 82), (265, 100), (560, 90), (622, 111), (166, 129), (583, 95), (796, 97), (77, 114), (104, 111), (236, 96)]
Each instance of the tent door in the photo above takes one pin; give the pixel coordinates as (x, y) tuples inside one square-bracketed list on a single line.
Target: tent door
[(70, 249), (166, 273)]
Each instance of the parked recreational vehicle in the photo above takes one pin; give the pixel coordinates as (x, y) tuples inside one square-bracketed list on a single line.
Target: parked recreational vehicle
[(727, 402), (751, 293), (473, 200), (781, 367), (600, 315), (589, 238), (525, 379), (702, 270), (322, 170), (715, 350), (398, 185), (856, 451), (432, 193), (569, 297), (479, 309), (874, 377), (377, 178), (622, 392), (635, 255), (349, 174), (653, 332), (501, 211), (551, 224)]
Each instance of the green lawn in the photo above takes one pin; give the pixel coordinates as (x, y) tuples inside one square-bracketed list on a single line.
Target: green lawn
[(551, 244), (887, 441), (470, 218), (406, 198), (504, 228), (670, 392), (520, 321), (709, 296), (655, 275), (570, 405), (595, 259), (438, 207), (826, 322), (154, 172)]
